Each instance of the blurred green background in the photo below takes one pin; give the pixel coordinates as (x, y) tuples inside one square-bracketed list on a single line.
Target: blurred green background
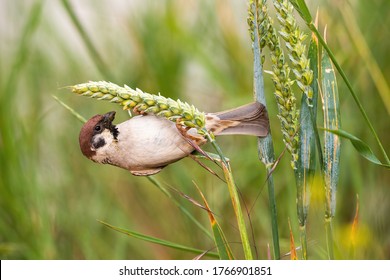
[(199, 51)]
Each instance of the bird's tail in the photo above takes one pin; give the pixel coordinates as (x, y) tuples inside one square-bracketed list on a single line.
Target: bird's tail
[(250, 119)]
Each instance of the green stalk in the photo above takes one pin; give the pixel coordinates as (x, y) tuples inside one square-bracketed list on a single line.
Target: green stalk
[(222, 244), (265, 145), (271, 199), (95, 56), (234, 197), (23, 49), (71, 110), (303, 238), (366, 53), (329, 237)]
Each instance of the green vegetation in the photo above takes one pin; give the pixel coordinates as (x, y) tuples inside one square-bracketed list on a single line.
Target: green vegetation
[(55, 204)]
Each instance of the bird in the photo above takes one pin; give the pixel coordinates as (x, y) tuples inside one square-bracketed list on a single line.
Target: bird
[(146, 143)]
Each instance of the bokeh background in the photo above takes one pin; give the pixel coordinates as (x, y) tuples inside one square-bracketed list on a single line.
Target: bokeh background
[(51, 197)]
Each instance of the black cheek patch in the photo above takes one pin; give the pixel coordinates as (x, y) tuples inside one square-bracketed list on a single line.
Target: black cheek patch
[(96, 144), (115, 132)]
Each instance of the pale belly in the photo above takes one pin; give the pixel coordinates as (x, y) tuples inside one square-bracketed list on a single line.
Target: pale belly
[(148, 143)]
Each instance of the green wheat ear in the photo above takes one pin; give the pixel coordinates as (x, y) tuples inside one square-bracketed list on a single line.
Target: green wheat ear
[(287, 110), (144, 103), (296, 47)]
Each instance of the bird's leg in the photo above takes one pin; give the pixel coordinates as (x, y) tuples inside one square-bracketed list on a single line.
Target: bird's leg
[(138, 111), (196, 138)]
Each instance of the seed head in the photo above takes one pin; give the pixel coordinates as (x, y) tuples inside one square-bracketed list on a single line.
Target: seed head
[(280, 74), (144, 103), (294, 38)]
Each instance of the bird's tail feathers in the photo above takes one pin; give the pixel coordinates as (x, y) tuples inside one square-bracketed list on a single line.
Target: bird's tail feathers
[(250, 119)]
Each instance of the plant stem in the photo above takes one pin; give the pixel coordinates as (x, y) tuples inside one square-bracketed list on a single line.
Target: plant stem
[(96, 57), (302, 230), (234, 197), (265, 145), (274, 216), (237, 209), (329, 237)]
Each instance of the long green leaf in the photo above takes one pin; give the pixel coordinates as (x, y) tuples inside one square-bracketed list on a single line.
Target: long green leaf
[(71, 110), (156, 183), (224, 250), (302, 9), (23, 49), (234, 197), (360, 146), (306, 164), (331, 141), (159, 241), (92, 50), (237, 210), (331, 144)]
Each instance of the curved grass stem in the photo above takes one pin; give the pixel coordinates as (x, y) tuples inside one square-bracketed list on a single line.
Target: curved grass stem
[(234, 197)]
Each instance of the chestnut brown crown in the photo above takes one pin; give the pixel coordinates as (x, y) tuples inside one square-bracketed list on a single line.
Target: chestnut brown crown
[(88, 141)]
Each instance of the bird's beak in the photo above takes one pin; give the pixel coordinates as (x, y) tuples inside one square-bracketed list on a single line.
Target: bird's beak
[(109, 117)]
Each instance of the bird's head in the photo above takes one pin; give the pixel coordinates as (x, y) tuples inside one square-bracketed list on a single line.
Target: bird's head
[(96, 135)]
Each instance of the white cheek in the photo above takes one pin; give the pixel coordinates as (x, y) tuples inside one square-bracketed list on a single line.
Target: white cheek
[(105, 135), (103, 153)]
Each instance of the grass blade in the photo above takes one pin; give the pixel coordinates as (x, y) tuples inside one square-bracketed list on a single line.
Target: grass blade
[(367, 55), (224, 250), (95, 56), (302, 9), (237, 210), (361, 147), (23, 49), (331, 143), (306, 164), (71, 110), (234, 197), (19, 190), (159, 241), (156, 183)]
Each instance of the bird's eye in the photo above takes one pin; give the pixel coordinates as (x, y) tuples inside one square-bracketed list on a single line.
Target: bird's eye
[(98, 128)]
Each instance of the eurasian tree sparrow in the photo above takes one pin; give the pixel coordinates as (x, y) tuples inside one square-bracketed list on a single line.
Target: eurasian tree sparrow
[(145, 144)]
